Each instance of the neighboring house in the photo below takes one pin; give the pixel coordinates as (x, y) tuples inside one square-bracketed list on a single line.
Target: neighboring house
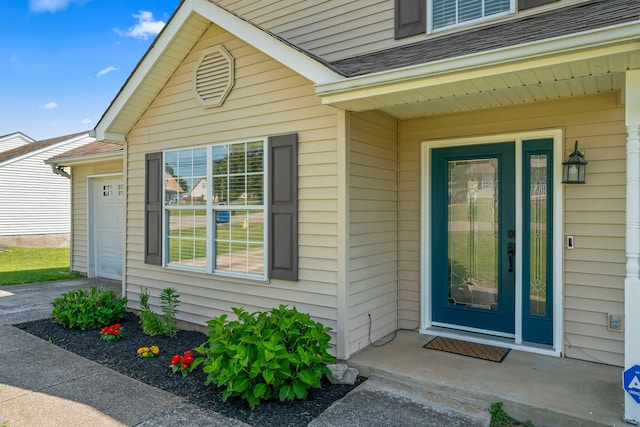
[(35, 209), (97, 203), (391, 165), (13, 140)]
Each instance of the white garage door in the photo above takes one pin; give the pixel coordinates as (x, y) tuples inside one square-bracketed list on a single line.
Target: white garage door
[(108, 199)]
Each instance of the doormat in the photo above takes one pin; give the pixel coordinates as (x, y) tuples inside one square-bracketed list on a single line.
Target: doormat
[(465, 348)]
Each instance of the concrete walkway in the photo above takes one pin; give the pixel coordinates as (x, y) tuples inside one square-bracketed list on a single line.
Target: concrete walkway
[(43, 385)]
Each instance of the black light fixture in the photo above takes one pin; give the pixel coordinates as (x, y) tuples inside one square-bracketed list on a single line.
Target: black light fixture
[(574, 168)]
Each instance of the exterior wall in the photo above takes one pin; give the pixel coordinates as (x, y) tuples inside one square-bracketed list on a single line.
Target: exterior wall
[(593, 213), (34, 199), (373, 232), (267, 99), (13, 141), (335, 29), (80, 209)]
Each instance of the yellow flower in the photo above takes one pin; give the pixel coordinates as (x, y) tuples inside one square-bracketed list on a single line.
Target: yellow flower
[(145, 354), (155, 349), (143, 350)]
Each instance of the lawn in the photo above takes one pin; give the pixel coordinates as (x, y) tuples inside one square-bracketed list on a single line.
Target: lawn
[(30, 265)]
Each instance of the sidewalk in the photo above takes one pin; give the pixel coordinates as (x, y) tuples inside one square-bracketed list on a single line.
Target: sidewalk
[(44, 385)]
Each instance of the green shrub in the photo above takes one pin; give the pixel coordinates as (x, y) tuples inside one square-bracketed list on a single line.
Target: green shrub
[(154, 324), (266, 355), (90, 308)]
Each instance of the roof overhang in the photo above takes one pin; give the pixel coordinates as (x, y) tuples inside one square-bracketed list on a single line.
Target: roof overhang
[(576, 65), (87, 159), (181, 33)]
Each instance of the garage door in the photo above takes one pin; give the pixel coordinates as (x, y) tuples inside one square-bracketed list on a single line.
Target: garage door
[(107, 230)]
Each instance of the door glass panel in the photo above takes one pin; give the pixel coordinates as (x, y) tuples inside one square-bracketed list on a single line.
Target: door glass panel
[(538, 232), (473, 233)]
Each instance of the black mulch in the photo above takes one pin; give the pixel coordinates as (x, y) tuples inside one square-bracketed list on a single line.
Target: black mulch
[(121, 356)]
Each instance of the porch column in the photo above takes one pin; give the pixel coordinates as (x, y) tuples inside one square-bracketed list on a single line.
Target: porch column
[(632, 279)]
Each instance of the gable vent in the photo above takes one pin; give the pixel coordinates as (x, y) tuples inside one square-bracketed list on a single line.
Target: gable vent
[(213, 76)]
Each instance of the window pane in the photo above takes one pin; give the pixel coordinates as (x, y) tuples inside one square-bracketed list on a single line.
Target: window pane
[(239, 241), (538, 233), (187, 243), (451, 12)]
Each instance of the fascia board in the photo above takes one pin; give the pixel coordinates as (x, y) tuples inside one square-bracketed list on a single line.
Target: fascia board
[(41, 150), (615, 39), (281, 52), (84, 160), (100, 132)]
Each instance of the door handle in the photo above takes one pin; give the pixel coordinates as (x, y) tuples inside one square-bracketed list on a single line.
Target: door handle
[(511, 252)]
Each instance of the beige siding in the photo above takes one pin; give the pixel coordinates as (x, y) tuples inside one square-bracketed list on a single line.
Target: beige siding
[(335, 29), (593, 213), (373, 233), (80, 205), (267, 99)]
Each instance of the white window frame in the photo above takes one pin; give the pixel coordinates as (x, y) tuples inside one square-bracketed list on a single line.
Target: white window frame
[(211, 210), (431, 30)]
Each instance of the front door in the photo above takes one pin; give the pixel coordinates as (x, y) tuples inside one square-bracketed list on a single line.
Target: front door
[(475, 264), (473, 229)]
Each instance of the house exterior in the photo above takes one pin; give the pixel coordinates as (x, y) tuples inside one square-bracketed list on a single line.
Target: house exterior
[(14, 140), (97, 205), (35, 208), (393, 164)]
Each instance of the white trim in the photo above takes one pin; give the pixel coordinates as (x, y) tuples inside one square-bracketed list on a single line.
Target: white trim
[(483, 19), (210, 215), (88, 159), (615, 39), (282, 52), (427, 323)]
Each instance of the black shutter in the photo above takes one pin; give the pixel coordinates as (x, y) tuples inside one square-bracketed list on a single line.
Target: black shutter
[(153, 209), (528, 4), (283, 192), (411, 18)]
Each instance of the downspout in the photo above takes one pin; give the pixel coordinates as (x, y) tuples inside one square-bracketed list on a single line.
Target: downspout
[(59, 170)]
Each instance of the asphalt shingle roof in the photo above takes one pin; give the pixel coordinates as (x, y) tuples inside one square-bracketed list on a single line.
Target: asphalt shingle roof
[(90, 149), (35, 146), (555, 23)]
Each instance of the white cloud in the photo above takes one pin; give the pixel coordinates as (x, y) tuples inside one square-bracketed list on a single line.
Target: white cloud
[(50, 106), (145, 27), (52, 5), (106, 71), (86, 121)]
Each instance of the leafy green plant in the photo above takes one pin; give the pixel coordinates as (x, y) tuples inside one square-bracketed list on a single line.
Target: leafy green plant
[(154, 324), (265, 355), (89, 308), (499, 418)]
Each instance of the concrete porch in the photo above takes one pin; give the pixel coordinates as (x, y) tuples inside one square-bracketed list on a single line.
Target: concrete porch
[(547, 390)]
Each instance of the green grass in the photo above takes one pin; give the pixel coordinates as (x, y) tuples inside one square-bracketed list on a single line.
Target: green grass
[(30, 265)]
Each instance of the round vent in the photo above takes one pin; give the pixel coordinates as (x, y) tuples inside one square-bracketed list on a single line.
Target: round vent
[(213, 76)]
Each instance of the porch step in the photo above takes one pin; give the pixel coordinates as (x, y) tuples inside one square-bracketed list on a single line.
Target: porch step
[(476, 404)]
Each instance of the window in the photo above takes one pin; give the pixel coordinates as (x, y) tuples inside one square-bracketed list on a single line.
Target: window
[(243, 224), (450, 13), (219, 229)]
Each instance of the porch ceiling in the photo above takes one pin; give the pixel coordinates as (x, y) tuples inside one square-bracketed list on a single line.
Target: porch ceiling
[(576, 74)]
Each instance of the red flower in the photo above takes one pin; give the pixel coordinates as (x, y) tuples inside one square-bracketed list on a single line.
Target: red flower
[(185, 366), (176, 359)]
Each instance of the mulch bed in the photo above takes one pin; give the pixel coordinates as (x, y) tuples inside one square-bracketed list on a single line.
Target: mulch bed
[(121, 356)]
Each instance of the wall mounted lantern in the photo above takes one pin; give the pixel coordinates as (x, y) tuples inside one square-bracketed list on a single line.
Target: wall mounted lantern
[(574, 168)]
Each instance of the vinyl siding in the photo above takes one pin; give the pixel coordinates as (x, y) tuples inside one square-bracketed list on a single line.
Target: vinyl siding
[(34, 199), (267, 99), (334, 29), (593, 213), (13, 141), (80, 206), (373, 232)]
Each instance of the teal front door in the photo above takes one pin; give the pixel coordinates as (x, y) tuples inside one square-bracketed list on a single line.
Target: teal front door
[(473, 236)]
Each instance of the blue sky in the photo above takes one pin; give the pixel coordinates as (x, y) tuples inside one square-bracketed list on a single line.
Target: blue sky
[(63, 61)]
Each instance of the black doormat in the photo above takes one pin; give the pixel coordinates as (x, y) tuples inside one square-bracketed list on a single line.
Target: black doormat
[(465, 348)]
